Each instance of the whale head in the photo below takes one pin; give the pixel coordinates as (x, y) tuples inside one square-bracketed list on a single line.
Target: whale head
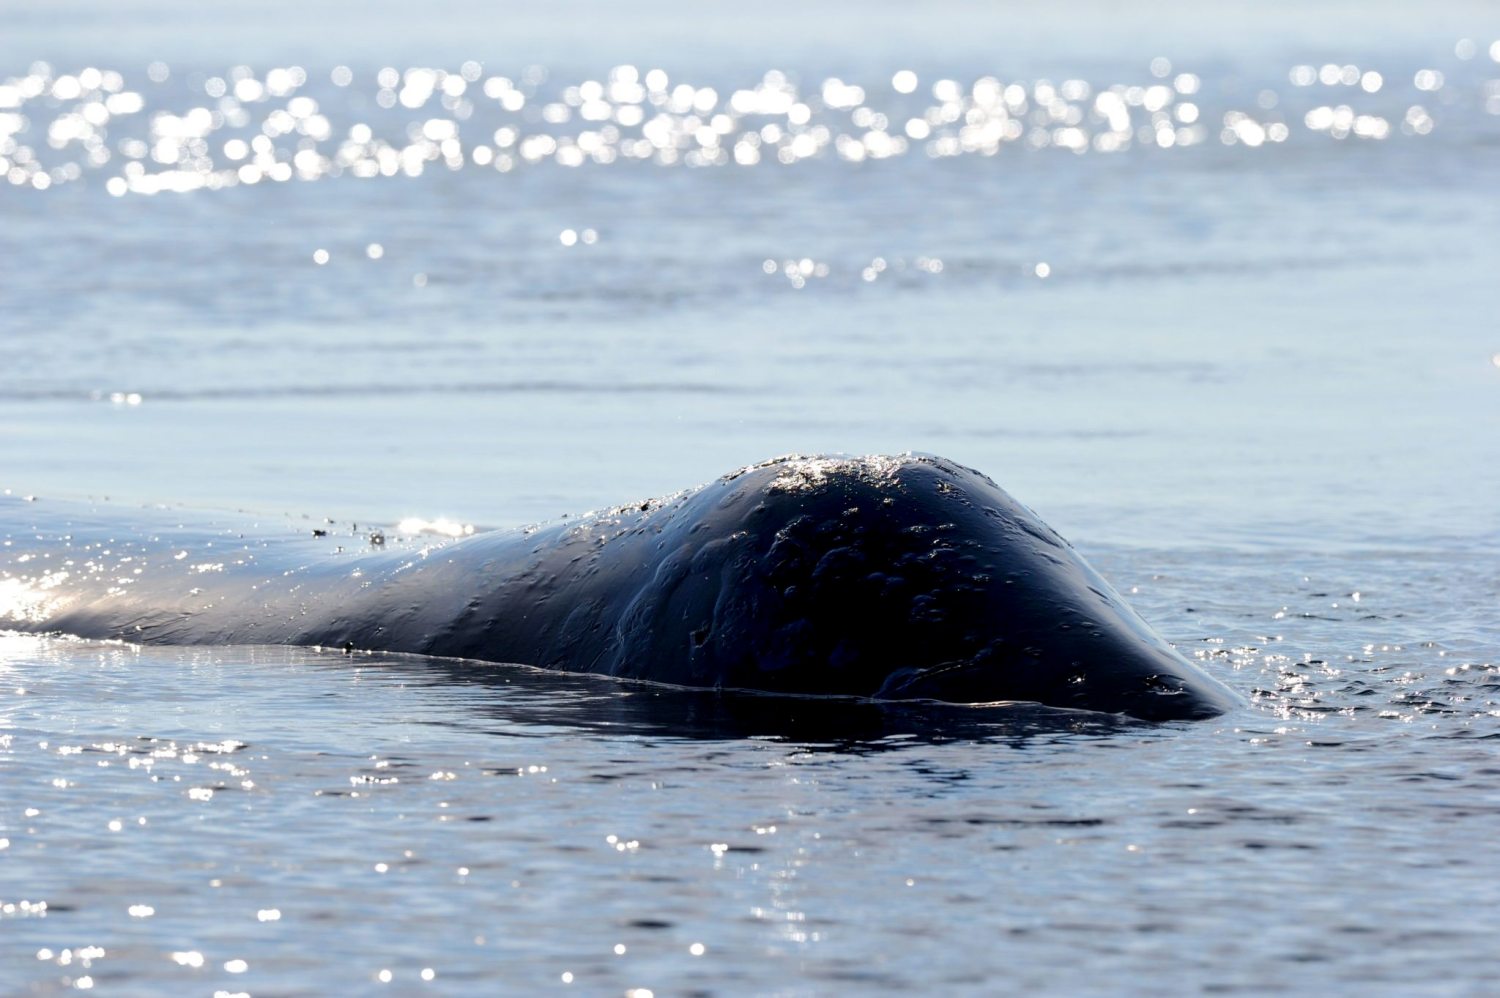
[(907, 578)]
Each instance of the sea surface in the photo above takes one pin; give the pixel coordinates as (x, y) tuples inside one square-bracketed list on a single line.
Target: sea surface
[(1215, 291)]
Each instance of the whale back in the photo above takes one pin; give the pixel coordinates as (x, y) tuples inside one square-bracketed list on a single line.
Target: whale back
[(892, 578)]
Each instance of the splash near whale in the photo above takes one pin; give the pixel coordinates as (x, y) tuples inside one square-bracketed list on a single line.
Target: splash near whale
[(890, 578)]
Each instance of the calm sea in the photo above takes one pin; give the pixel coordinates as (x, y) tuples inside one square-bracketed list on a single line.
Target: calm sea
[(1214, 291)]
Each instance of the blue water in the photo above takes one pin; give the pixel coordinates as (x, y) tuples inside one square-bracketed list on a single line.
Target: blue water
[(1249, 372)]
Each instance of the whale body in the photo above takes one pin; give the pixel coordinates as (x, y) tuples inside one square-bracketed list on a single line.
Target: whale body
[(891, 578)]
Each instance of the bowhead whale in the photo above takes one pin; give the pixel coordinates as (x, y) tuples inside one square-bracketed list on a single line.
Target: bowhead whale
[(892, 578)]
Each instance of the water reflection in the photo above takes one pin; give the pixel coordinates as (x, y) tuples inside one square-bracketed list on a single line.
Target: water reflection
[(516, 700)]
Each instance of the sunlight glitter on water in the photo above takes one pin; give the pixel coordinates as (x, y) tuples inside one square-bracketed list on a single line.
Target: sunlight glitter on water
[(57, 128)]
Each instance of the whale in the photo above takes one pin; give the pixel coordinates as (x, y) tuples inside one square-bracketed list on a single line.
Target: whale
[(883, 578)]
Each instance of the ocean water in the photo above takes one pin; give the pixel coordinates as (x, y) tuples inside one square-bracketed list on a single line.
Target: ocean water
[(1211, 290)]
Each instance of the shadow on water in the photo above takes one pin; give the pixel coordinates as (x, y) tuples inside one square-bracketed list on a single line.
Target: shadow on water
[(516, 700)]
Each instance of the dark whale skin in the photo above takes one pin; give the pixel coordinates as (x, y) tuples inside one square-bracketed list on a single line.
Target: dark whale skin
[(894, 578)]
